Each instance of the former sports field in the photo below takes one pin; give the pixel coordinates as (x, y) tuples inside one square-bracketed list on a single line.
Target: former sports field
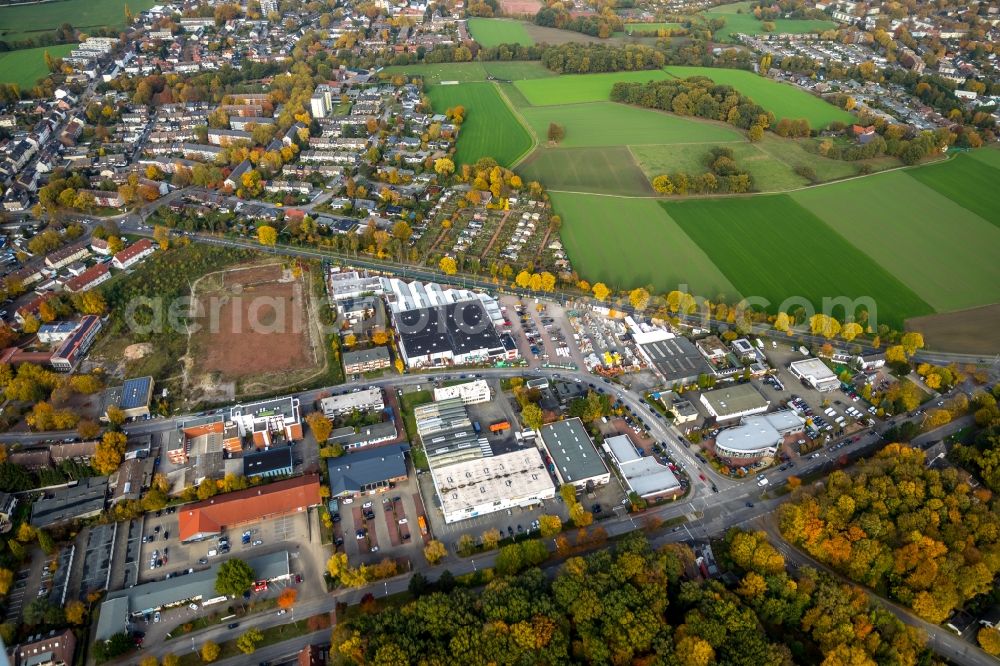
[(256, 331)]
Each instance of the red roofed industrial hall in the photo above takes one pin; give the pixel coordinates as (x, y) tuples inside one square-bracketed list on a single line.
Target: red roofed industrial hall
[(204, 520)]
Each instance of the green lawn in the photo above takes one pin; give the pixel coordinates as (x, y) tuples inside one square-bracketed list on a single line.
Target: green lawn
[(575, 88), (25, 21), (658, 252), (970, 183), (493, 32), (26, 66), (468, 72), (463, 72), (782, 99), (518, 69), (648, 27), (746, 23), (943, 252), (608, 170), (610, 124), (490, 128), (770, 247)]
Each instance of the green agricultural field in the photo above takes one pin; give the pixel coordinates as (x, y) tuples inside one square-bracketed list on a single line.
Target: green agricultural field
[(972, 184), (608, 170), (740, 19), (648, 27), (469, 72), (782, 99), (490, 128), (26, 21), (575, 88), (771, 247), (610, 124), (26, 66), (632, 242), (989, 156), (943, 252), (494, 32)]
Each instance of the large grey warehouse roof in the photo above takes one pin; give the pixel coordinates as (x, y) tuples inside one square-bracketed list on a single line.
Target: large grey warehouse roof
[(676, 358), (572, 451), (460, 328)]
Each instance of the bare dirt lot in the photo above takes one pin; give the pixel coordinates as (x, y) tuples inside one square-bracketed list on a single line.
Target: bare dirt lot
[(973, 331), (257, 330), (519, 7)]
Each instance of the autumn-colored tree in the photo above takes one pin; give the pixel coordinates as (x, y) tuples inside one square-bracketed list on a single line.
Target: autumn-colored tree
[(895, 354), (380, 336), (337, 564), (110, 452), (532, 416), (320, 426), (247, 643), (76, 612), (161, 235), (115, 415), (267, 235), (491, 538), (549, 525), (448, 266), (6, 580), (601, 291), (350, 340), (287, 597), (989, 640), (210, 652), (580, 516), (851, 330), (444, 167), (694, 651), (639, 298), (435, 551)]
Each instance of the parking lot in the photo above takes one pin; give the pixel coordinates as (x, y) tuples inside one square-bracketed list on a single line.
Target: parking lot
[(164, 555), (374, 527)]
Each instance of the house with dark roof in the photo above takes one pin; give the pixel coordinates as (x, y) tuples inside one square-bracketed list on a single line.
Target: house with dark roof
[(367, 471), (275, 461)]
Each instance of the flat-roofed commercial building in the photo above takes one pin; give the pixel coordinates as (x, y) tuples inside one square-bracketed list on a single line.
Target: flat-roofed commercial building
[(814, 372), (486, 485), (757, 437), (733, 402), (643, 475), (573, 453), (447, 433), (85, 499), (455, 333), (345, 403), (673, 357), (471, 393)]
